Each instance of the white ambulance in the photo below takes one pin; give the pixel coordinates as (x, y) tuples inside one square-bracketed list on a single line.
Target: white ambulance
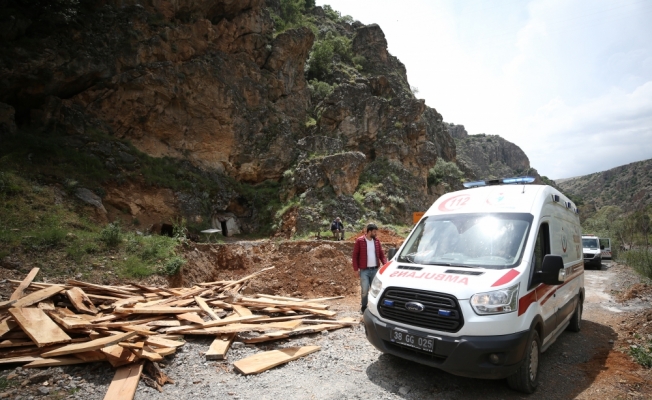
[(486, 282), (591, 249)]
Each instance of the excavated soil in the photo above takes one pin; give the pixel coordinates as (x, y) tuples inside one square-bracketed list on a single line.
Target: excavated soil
[(302, 268), (387, 237)]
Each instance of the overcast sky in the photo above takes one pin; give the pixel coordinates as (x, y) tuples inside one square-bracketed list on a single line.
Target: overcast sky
[(570, 82)]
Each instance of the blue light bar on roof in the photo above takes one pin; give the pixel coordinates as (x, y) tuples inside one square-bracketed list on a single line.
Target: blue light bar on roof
[(504, 181)]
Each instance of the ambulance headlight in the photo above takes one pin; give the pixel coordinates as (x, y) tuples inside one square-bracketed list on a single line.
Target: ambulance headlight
[(496, 302), (376, 287)]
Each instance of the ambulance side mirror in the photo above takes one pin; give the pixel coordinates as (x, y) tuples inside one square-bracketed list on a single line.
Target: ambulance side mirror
[(391, 253), (552, 270)]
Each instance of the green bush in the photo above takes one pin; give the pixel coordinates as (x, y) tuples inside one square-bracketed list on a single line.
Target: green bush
[(640, 260), (443, 170), (319, 89), (44, 238), (642, 354), (320, 60), (9, 184), (134, 267), (111, 235), (173, 266)]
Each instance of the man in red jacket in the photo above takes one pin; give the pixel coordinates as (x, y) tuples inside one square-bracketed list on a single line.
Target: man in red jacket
[(368, 255)]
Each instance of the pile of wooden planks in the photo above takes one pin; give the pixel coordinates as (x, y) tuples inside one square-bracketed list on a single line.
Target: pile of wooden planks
[(43, 324)]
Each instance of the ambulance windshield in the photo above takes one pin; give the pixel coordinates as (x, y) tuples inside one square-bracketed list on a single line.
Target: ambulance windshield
[(469, 240), (590, 243)]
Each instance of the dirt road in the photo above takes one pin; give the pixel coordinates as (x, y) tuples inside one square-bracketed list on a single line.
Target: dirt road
[(585, 365)]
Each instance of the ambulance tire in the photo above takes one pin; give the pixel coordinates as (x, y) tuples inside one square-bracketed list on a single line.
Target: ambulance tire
[(575, 324), (526, 378)]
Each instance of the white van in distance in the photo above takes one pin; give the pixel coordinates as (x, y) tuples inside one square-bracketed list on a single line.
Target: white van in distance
[(591, 249), (486, 282)]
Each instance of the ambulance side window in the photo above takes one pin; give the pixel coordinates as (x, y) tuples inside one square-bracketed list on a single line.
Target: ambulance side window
[(541, 248)]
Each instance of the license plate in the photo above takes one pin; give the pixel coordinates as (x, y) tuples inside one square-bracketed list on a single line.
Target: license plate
[(414, 341)]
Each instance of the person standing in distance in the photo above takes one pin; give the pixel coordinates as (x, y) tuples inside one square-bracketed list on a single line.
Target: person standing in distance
[(368, 255)]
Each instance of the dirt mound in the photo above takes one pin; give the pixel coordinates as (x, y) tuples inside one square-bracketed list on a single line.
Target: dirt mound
[(638, 290), (303, 268), (386, 236)]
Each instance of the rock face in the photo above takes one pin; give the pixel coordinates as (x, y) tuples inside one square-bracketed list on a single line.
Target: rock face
[(213, 85), (489, 156)]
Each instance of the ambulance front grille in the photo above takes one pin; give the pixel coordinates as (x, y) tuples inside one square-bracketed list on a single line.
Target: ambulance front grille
[(441, 311)]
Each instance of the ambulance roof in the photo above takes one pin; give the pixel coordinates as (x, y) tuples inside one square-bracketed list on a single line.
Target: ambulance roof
[(497, 198)]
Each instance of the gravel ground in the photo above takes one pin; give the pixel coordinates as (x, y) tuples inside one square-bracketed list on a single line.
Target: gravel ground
[(586, 365)]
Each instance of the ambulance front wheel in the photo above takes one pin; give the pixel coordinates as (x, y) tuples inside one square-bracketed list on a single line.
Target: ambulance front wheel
[(526, 378)]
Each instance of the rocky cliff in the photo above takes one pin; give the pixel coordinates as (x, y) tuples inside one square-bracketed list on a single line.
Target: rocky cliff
[(489, 156), (628, 187), (216, 110)]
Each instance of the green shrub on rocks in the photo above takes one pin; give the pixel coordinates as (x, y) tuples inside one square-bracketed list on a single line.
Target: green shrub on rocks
[(111, 235)]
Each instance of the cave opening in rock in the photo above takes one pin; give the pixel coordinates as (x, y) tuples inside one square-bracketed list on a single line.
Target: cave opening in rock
[(225, 231), (372, 154), (167, 230)]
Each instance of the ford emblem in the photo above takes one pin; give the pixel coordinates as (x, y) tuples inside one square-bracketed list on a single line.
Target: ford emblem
[(414, 306)]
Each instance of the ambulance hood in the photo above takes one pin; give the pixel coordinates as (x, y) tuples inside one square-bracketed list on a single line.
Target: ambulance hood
[(457, 281)]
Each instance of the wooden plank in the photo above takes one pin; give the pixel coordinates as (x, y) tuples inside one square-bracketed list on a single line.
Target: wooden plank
[(323, 313), (157, 310), (132, 346), (124, 383), (239, 328), (241, 311), (89, 346), (20, 290), (91, 356), (6, 325), (192, 317), (228, 321), (68, 321), (80, 301), (37, 296), (129, 301), (139, 329), (344, 321), (16, 360), (16, 343), (159, 342), (165, 323), (38, 326), (280, 303), (46, 305), (148, 353), (101, 288), (219, 347), (266, 337), (263, 361), (140, 321), (165, 351), (202, 304), (118, 355), (54, 362)]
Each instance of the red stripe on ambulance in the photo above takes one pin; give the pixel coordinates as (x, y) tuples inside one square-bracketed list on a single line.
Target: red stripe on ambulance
[(508, 277)]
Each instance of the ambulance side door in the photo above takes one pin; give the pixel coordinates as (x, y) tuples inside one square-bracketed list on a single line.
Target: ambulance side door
[(545, 293)]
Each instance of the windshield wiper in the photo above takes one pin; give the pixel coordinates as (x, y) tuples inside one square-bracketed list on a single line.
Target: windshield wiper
[(452, 265)]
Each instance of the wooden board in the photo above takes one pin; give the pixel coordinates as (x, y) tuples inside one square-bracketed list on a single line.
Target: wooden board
[(238, 328), (202, 304), (80, 301), (20, 290), (17, 360), (67, 320), (38, 326), (267, 337), (118, 355), (16, 343), (148, 353), (157, 310), (263, 361), (160, 342), (6, 325), (37, 296), (165, 323), (219, 347), (124, 383), (91, 356), (227, 321), (241, 311), (192, 317), (54, 362), (89, 346)]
